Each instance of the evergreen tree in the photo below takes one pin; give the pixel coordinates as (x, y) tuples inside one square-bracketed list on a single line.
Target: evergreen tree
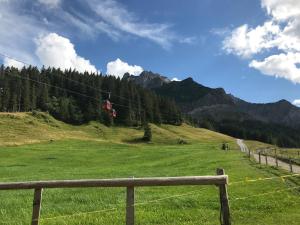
[(77, 97)]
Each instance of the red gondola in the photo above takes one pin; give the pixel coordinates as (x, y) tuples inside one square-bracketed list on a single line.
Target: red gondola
[(114, 113), (107, 106)]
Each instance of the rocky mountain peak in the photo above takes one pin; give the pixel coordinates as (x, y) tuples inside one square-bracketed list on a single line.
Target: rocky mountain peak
[(148, 79)]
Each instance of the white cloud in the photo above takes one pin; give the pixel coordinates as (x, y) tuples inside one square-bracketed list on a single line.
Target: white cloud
[(224, 31), (296, 102), (282, 65), (281, 32), (175, 79), (282, 10), (18, 42), (188, 40), (13, 63), (30, 19), (57, 51), (119, 68), (245, 41), (50, 3), (117, 19)]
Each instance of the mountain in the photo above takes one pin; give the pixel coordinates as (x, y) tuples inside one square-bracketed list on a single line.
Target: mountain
[(278, 122), (147, 79)]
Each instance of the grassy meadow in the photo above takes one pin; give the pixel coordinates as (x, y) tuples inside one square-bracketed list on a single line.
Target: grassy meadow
[(37, 147)]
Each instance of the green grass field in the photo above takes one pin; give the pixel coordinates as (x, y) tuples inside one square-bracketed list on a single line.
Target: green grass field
[(60, 151)]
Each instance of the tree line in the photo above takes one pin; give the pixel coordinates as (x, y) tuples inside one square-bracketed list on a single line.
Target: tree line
[(77, 98), (271, 133)]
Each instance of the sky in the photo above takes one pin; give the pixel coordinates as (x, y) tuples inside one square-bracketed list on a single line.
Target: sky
[(251, 48)]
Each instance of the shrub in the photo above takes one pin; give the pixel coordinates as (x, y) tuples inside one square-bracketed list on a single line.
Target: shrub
[(147, 133)]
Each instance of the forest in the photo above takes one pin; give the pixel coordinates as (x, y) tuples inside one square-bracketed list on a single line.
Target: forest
[(78, 98), (271, 133)]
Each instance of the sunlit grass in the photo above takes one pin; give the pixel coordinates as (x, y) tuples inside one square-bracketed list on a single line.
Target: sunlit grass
[(107, 153)]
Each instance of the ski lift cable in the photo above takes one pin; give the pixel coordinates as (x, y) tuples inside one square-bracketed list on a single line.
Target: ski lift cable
[(67, 78), (81, 94), (142, 109)]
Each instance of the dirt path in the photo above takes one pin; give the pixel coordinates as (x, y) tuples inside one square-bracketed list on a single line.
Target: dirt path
[(270, 160)]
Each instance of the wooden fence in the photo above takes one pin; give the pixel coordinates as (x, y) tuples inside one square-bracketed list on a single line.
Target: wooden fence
[(221, 180), (288, 161)]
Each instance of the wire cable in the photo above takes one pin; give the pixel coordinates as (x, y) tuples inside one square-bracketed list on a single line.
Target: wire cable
[(263, 179), (78, 93), (267, 193)]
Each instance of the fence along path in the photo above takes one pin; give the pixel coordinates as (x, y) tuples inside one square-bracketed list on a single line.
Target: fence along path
[(269, 160), (221, 181)]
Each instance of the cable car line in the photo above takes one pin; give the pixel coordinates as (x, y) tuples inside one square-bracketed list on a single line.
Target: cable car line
[(113, 111)]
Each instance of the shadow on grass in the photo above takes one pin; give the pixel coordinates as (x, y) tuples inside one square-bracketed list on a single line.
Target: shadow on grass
[(137, 141)]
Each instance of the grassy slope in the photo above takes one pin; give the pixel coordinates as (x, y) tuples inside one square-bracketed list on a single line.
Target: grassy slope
[(95, 151), (28, 128)]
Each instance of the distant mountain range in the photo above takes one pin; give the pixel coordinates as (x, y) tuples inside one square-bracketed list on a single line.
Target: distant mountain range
[(215, 109)]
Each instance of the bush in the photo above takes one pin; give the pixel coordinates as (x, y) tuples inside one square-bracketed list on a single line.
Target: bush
[(225, 146), (147, 133), (182, 142)]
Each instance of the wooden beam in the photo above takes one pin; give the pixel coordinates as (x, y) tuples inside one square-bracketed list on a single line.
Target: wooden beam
[(291, 165), (130, 206), (225, 210), (123, 182), (37, 202)]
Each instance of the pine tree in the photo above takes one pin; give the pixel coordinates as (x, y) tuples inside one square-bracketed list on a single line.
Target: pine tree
[(77, 97)]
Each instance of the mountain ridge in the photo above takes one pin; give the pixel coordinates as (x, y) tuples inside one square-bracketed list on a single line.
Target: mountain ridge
[(204, 104)]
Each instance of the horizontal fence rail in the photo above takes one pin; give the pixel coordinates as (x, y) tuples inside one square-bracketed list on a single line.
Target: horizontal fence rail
[(221, 180), (122, 182)]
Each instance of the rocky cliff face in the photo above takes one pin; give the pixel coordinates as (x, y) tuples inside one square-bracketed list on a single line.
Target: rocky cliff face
[(148, 79)]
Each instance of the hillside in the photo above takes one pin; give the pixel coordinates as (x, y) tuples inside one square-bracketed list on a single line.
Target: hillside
[(276, 123), (26, 128), (93, 151)]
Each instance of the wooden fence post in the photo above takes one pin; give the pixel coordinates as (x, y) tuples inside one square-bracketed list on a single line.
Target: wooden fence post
[(259, 157), (225, 211), (37, 200), (291, 165), (130, 206), (266, 156)]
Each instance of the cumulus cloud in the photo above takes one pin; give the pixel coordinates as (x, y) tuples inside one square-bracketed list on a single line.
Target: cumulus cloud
[(282, 65), (282, 10), (175, 79), (50, 3), (57, 51), (245, 41), (92, 19), (118, 68), (13, 63), (18, 42), (296, 102), (281, 32)]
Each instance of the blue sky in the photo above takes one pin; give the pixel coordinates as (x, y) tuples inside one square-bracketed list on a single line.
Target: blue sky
[(240, 45)]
